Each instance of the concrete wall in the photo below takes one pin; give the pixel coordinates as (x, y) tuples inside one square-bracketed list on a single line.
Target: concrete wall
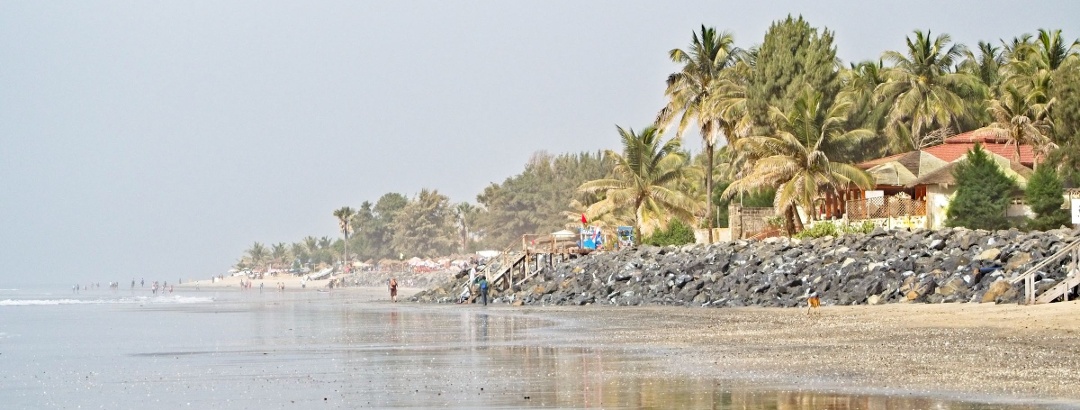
[(744, 222)]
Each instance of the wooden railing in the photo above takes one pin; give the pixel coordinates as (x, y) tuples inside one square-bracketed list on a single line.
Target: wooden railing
[(1028, 277)]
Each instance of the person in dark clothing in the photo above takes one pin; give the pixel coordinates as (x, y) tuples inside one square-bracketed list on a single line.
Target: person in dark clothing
[(483, 289)]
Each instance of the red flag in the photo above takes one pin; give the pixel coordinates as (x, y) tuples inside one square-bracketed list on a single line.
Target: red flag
[(583, 220)]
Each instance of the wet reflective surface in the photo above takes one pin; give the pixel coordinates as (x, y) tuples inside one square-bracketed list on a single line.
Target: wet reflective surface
[(301, 350)]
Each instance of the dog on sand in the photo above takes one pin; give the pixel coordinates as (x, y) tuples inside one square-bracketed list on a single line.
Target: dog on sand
[(812, 303)]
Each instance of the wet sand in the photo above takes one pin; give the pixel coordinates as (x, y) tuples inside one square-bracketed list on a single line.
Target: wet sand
[(1004, 353), (983, 352)]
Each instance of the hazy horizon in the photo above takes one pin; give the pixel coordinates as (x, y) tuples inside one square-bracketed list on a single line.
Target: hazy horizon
[(162, 139)]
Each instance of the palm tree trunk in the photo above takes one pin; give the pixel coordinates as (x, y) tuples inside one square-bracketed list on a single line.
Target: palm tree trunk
[(792, 222), (709, 146)]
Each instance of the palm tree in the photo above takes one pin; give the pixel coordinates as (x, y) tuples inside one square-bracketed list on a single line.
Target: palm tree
[(278, 252), (924, 93), (691, 94), (986, 66), (466, 215), (1048, 50), (794, 162), (257, 252), (642, 181), (1023, 118), (345, 215)]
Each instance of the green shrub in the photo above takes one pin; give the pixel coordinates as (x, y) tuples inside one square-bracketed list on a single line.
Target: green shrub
[(1045, 195), (830, 228), (982, 193), (676, 233)]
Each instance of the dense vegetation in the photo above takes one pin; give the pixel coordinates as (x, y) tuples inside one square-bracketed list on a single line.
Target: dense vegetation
[(780, 121)]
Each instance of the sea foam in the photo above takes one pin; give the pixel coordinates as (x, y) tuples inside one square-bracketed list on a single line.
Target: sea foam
[(177, 299)]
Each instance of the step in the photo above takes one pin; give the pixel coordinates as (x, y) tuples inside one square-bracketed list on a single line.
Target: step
[(1058, 290)]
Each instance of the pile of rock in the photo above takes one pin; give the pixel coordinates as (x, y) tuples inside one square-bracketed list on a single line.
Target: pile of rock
[(950, 265), (405, 279)]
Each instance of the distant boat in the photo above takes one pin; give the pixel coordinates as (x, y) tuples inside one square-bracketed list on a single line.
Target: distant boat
[(321, 274)]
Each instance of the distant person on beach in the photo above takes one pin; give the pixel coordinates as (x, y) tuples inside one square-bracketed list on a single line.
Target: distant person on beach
[(393, 289), (483, 289), (261, 286)]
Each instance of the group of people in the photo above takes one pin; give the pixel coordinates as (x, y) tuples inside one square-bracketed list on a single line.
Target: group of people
[(478, 282)]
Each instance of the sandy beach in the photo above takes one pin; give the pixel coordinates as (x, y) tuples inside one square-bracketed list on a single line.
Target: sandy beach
[(959, 351), (1005, 353)]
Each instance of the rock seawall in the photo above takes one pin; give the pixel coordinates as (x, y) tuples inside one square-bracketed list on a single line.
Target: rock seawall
[(950, 265)]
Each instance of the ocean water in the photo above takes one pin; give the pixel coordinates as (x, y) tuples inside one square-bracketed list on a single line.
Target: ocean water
[(232, 349)]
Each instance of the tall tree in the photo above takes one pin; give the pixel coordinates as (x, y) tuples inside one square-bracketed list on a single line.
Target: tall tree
[(857, 89), (1023, 118), (344, 216), (535, 200), (794, 162), (642, 181), (465, 215), (793, 58), (424, 226), (986, 65), (982, 193), (923, 92), (691, 95), (257, 253), (278, 252)]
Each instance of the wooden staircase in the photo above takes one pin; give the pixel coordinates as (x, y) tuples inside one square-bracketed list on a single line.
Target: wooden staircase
[(504, 275), (1063, 288)]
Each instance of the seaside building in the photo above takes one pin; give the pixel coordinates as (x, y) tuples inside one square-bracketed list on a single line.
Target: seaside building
[(912, 189)]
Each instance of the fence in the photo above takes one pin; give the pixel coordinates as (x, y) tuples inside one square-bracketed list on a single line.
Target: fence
[(884, 207)]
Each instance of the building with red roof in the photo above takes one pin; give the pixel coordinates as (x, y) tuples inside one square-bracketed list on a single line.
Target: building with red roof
[(916, 186)]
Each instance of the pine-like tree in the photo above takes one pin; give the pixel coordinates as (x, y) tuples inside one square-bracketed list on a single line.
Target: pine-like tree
[(1045, 195), (982, 193)]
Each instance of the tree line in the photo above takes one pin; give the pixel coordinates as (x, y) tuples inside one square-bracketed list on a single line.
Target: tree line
[(780, 122)]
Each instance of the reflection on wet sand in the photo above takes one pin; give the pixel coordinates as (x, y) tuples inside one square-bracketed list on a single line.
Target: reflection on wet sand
[(475, 358)]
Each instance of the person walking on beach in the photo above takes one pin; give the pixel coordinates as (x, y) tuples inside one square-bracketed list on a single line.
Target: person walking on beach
[(483, 289), (392, 284)]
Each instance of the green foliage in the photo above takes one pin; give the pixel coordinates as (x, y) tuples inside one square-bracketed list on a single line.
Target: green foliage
[(424, 227), (794, 58), (1066, 108), (1066, 160), (829, 228), (676, 233), (372, 226), (756, 199), (535, 200), (925, 92), (982, 193), (1045, 196), (647, 181)]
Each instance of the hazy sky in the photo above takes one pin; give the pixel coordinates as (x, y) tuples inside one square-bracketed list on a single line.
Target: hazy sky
[(161, 139)]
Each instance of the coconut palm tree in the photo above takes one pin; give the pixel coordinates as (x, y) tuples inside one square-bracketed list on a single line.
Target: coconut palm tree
[(986, 66), (257, 253), (923, 91), (643, 179), (278, 251), (794, 161), (1024, 119), (691, 95), (465, 215), (345, 215)]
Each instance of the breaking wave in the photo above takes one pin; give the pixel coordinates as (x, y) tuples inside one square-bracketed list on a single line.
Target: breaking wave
[(141, 300)]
